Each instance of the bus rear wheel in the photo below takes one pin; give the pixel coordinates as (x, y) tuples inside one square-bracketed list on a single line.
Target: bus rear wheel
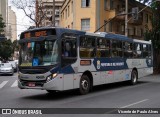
[(85, 85), (134, 77)]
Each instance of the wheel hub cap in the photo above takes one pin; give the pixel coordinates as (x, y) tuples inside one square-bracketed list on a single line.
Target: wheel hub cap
[(84, 84)]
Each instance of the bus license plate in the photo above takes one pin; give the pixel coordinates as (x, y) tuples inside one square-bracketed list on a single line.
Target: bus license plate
[(31, 84)]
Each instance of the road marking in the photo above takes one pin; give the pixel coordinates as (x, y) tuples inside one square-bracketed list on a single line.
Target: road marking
[(3, 83), (134, 103), (115, 110), (15, 84)]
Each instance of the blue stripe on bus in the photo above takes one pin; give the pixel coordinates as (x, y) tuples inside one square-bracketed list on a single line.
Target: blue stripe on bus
[(55, 69), (67, 70), (106, 64)]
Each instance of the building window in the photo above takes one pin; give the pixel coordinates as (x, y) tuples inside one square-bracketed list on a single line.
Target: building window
[(72, 25), (134, 30), (111, 4), (63, 15), (141, 32), (146, 18), (66, 13), (85, 3), (68, 10), (110, 27), (85, 24), (105, 4), (72, 7), (105, 27)]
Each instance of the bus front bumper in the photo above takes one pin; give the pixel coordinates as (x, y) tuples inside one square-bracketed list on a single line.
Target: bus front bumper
[(52, 85)]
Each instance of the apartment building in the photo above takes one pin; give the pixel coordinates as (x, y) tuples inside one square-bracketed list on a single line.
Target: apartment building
[(4, 13), (47, 9), (89, 15), (12, 21)]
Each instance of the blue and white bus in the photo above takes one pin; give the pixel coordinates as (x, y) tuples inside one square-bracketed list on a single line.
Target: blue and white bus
[(58, 59)]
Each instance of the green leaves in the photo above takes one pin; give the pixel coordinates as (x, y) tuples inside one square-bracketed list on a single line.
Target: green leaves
[(154, 34), (5, 49), (2, 25)]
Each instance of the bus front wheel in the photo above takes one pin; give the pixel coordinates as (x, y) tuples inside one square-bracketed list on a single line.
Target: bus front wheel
[(85, 85), (134, 77)]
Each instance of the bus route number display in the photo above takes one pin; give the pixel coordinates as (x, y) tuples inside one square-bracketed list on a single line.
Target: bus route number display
[(35, 34)]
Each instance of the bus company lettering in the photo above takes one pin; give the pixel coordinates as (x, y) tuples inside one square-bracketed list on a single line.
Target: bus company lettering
[(112, 64)]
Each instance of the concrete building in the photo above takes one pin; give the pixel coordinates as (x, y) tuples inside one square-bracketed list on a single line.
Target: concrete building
[(89, 15), (4, 13), (12, 24), (48, 10)]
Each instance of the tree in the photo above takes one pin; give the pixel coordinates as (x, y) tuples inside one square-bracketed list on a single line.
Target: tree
[(2, 25), (33, 9), (154, 35), (15, 46), (5, 49)]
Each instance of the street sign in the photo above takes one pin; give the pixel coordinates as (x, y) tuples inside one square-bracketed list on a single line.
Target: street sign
[(135, 13)]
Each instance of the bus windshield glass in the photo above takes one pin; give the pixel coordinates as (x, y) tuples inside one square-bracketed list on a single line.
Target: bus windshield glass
[(39, 53)]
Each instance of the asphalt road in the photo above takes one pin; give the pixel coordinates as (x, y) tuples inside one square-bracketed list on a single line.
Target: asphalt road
[(146, 94)]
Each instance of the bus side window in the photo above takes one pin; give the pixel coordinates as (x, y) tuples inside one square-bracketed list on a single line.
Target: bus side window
[(103, 48), (128, 49), (69, 49), (117, 48), (87, 47), (138, 50)]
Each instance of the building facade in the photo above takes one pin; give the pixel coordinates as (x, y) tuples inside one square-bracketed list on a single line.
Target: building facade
[(4, 13), (47, 9), (89, 15), (12, 24)]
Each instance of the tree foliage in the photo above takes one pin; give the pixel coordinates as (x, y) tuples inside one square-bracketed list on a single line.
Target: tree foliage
[(15, 46), (2, 25), (154, 34), (5, 49), (33, 9)]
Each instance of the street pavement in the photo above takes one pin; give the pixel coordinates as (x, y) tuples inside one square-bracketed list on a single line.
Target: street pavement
[(146, 94)]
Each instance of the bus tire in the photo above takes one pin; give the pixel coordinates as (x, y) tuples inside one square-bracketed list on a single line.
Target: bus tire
[(134, 77), (85, 85)]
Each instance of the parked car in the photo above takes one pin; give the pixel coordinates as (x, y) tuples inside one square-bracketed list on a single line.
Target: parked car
[(14, 64), (6, 68)]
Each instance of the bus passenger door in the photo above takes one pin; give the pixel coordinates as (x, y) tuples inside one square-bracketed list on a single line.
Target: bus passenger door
[(68, 59)]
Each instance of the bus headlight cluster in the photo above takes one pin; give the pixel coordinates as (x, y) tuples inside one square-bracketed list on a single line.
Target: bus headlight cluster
[(49, 78)]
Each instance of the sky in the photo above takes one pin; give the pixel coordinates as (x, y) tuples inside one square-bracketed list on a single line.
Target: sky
[(23, 21)]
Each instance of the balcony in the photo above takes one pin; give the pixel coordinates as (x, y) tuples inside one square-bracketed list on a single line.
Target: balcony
[(136, 22), (120, 11)]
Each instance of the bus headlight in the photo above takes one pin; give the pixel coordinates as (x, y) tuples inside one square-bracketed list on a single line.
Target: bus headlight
[(49, 78)]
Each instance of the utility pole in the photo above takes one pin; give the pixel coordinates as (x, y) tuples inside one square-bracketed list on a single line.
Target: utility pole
[(53, 14), (126, 19)]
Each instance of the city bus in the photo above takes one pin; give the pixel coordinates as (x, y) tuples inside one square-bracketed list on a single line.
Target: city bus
[(58, 59)]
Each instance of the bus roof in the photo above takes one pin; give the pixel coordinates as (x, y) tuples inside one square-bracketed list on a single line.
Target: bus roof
[(60, 30), (142, 41), (110, 36)]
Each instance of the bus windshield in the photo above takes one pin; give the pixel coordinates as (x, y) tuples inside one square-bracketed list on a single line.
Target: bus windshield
[(39, 53)]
